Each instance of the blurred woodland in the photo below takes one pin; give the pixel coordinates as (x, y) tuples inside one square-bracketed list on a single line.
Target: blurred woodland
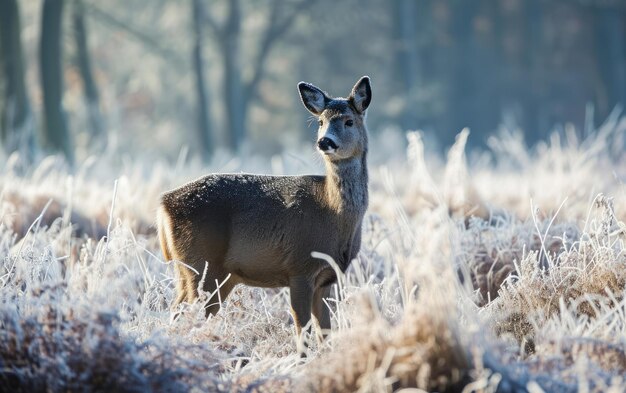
[(79, 76)]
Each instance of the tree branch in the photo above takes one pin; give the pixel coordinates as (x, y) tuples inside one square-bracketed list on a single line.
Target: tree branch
[(136, 33), (217, 30), (277, 27)]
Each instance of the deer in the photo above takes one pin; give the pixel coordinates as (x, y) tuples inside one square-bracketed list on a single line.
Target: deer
[(261, 230)]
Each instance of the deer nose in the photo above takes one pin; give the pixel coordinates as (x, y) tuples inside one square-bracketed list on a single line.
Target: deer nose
[(326, 144)]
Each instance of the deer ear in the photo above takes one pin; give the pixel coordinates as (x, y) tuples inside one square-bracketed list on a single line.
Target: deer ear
[(361, 94), (313, 98)]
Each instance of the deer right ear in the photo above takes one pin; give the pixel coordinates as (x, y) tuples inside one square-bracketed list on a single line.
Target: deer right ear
[(361, 94), (313, 98)]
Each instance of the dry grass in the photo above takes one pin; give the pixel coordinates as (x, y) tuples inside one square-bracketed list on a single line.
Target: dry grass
[(503, 275)]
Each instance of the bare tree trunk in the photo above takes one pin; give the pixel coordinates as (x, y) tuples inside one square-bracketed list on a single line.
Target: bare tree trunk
[(407, 65), (233, 88), (83, 60), (462, 90), (56, 135), (536, 124), (204, 124), (611, 56), (15, 114)]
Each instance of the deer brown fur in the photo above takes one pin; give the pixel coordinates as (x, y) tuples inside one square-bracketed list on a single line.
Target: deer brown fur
[(261, 230)]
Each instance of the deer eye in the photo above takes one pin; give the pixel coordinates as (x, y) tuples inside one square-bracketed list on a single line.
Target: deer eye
[(321, 122), (349, 123)]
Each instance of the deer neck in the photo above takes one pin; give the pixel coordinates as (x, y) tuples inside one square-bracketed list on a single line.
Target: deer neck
[(346, 185)]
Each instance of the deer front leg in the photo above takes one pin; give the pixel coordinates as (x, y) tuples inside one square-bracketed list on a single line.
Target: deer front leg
[(320, 309), (301, 294)]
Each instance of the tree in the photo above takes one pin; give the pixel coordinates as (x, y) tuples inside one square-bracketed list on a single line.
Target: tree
[(83, 61), (462, 84), (238, 92), (15, 114), (56, 135), (407, 67), (203, 110), (611, 56), (535, 124)]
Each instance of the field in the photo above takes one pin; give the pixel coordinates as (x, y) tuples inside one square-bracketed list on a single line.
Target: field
[(506, 274)]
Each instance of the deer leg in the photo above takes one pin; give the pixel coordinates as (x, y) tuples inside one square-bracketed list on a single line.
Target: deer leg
[(183, 283), (214, 281), (218, 289), (184, 280), (301, 294), (320, 309)]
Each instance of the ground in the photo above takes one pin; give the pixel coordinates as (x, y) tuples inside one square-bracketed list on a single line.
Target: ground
[(506, 274)]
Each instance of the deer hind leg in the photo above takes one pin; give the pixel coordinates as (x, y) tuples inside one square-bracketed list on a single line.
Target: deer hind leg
[(164, 227), (320, 309), (184, 284), (218, 284), (167, 242)]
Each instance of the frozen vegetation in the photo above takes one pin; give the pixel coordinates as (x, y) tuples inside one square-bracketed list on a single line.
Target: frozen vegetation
[(507, 275)]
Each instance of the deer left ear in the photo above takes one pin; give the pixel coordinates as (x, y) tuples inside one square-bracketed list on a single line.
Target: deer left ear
[(361, 94), (313, 98)]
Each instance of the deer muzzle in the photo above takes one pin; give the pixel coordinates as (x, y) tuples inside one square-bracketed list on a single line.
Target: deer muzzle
[(327, 145)]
